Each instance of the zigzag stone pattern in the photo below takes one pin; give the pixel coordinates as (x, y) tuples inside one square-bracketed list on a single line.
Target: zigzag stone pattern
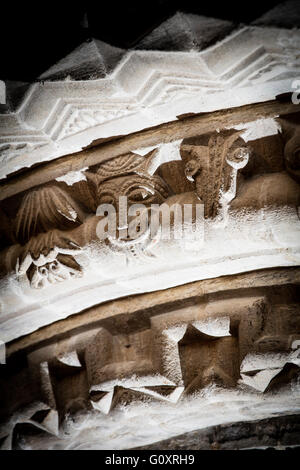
[(180, 356), (126, 373), (248, 189), (94, 88), (140, 340)]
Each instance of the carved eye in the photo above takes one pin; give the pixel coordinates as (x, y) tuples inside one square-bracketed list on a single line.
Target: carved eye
[(138, 189)]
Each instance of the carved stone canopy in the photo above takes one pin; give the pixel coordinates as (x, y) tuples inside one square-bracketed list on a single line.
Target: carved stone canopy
[(155, 336)]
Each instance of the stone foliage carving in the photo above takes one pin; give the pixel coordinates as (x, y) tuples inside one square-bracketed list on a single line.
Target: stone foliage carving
[(45, 209), (54, 221), (43, 216), (224, 348), (213, 165)]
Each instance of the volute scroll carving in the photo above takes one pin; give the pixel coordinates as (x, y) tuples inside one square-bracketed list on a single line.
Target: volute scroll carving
[(54, 222), (212, 162)]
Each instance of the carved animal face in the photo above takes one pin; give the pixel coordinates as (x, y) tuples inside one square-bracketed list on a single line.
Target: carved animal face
[(138, 189)]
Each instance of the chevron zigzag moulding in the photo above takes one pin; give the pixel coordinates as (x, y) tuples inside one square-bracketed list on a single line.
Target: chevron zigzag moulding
[(150, 242), (148, 88)]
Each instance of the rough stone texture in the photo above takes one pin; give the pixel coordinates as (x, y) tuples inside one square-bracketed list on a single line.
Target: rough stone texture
[(89, 61), (286, 15), (99, 91), (136, 307), (52, 251), (15, 93), (118, 343), (102, 150), (185, 32), (275, 433), (184, 360)]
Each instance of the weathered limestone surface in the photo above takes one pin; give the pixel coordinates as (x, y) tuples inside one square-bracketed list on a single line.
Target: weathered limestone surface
[(123, 342), (185, 32), (285, 14), (238, 347), (245, 176), (215, 65), (273, 433)]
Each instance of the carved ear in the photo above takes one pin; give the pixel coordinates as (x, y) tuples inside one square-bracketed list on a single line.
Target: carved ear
[(44, 209)]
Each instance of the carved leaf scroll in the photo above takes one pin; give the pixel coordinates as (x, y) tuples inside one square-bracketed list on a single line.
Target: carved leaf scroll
[(213, 165), (44, 209)]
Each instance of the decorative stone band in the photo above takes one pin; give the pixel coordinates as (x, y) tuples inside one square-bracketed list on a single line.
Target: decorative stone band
[(246, 178), (77, 366), (189, 125), (65, 112), (178, 353)]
